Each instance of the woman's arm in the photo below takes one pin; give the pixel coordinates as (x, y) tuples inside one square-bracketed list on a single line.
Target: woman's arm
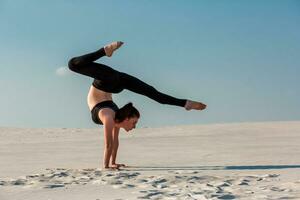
[(108, 124), (115, 144)]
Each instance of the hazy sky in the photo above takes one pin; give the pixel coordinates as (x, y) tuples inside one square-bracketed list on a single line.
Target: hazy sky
[(241, 58)]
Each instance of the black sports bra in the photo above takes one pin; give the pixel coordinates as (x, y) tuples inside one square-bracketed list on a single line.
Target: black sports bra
[(99, 106)]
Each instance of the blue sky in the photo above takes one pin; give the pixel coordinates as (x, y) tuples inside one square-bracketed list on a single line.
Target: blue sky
[(241, 58)]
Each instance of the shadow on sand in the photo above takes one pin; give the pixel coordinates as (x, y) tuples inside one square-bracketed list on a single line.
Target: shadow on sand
[(200, 168)]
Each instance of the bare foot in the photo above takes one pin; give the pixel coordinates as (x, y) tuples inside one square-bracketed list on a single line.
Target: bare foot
[(110, 48), (190, 105)]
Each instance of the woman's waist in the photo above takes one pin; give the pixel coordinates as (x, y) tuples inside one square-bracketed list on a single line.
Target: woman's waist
[(96, 96)]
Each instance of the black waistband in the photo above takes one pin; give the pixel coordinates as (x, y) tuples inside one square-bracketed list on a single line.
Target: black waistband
[(108, 86)]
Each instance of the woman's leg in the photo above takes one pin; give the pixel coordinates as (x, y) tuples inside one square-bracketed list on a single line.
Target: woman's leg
[(85, 65), (135, 85)]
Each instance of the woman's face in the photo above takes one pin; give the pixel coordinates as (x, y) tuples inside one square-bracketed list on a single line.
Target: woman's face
[(130, 123)]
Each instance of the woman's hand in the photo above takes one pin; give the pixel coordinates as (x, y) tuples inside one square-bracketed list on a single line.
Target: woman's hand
[(118, 165), (114, 167), (111, 168)]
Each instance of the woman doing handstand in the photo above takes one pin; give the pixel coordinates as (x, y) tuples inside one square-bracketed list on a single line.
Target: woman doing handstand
[(104, 111)]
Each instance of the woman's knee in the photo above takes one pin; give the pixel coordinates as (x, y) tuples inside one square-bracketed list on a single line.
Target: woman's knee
[(73, 64)]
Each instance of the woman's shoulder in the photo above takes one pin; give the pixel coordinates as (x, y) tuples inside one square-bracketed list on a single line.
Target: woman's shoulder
[(107, 115)]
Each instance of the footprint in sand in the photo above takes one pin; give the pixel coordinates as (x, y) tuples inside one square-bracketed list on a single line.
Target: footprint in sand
[(124, 186), (18, 182), (245, 182), (277, 189), (122, 175), (220, 184), (51, 186), (2, 182), (194, 179), (267, 177), (157, 182), (223, 196), (142, 180), (226, 196), (151, 194)]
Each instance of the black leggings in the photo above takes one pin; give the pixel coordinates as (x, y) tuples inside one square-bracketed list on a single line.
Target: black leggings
[(114, 81)]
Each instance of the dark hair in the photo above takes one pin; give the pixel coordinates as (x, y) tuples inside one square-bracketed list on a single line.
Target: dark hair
[(127, 111)]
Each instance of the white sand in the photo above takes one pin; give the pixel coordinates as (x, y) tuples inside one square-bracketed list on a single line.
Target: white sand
[(221, 161)]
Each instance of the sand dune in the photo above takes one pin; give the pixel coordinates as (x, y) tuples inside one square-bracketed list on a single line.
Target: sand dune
[(221, 161)]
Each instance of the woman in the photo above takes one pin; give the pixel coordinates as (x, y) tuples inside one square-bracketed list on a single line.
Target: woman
[(104, 111)]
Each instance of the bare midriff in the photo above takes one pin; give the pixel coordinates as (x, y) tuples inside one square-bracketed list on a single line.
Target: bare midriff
[(96, 96)]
